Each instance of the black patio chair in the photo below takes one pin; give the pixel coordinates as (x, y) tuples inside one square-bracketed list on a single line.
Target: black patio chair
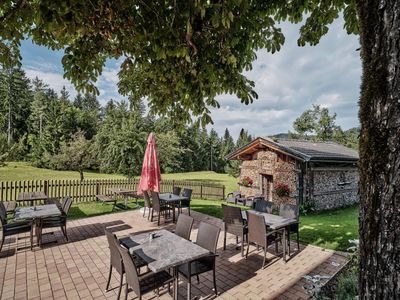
[(259, 235), (147, 204), (13, 227), (233, 196), (141, 284), (207, 237), (234, 224), (291, 211), (176, 190), (184, 226), (116, 260), (185, 203), (263, 206), (158, 207), (56, 221)]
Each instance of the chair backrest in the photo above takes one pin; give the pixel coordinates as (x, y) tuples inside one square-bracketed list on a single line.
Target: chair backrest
[(156, 201), (236, 194), (232, 215), (207, 236), (64, 202), (184, 226), (176, 190), (263, 206), (132, 277), (289, 211), (115, 256), (3, 214), (67, 205), (257, 229), (147, 202), (187, 193)]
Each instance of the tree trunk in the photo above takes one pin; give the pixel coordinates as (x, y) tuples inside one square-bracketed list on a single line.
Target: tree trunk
[(380, 150), (81, 175)]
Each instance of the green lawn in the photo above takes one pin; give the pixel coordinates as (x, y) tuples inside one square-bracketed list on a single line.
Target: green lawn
[(330, 229), (15, 171)]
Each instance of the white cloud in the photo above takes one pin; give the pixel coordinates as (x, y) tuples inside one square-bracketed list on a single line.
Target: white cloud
[(290, 81), (52, 79)]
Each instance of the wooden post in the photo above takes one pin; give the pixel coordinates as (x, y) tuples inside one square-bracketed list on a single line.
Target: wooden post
[(201, 191), (223, 192), (97, 188), (45, 187)]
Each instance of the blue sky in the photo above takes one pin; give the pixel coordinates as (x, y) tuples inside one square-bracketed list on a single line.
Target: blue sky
[(287, 82)]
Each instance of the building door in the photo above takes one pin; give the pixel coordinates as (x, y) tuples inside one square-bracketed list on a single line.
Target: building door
[(267, 186)]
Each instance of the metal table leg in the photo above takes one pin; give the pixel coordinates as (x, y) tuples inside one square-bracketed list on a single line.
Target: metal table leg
[(175, 282), (284, 245)]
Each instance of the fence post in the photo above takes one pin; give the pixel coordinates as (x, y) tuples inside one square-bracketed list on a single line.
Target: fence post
[(45, 187), (97, 188), (173, 184), (201, 191), (223, 192)]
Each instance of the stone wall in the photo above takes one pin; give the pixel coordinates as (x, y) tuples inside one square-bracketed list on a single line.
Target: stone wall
[(269, 163), (333, 188)]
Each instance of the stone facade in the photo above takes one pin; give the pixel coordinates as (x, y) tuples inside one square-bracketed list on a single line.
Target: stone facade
[(334, 187), (268, 168), (325, 188)]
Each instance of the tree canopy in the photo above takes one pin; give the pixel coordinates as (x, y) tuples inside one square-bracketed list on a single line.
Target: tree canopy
[(178, 54)]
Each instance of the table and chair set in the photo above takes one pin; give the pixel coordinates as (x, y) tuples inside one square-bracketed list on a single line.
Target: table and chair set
[(165, 256), (165, 204), (34, 218), (260, 227)]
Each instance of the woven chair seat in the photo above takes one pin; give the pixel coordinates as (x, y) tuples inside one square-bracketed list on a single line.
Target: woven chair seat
[(152, 281), (197, 267)]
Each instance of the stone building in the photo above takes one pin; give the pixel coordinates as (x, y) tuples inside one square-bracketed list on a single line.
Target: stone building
[(322, 174)]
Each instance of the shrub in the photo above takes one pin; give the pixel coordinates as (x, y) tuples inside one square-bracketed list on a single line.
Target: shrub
[(347, 287)]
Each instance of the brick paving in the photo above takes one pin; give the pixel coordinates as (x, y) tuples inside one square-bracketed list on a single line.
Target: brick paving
[(78, 269)]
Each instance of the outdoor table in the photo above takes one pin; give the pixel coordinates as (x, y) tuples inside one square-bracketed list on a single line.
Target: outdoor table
[(32, 196), (164, 251), (172, 199), (124, 193), (37, 212), (274, 222)]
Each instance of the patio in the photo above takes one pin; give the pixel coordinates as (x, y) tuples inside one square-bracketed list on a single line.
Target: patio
[(78, 269)]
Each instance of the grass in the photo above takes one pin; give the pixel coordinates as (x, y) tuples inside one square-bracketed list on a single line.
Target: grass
[(15, 171), (331, 229)]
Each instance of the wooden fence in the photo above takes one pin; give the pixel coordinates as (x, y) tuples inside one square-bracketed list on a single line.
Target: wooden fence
[(88, 189)]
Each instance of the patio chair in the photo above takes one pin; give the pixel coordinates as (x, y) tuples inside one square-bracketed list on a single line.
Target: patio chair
[(57, 221), (232, 197), (56, 201), (176, 190), (234, 224), (185, 203), (263, 206), (184, 226), (116, 260), (141, 284), (207, 237), (147, 204), (13, 227), (158, 207), (259, 235), (291, 211)]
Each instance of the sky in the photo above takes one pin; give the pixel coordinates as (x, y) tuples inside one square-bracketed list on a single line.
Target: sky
[(287, 82)]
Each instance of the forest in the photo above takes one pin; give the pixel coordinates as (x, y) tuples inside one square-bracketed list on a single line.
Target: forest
[(58, 132)]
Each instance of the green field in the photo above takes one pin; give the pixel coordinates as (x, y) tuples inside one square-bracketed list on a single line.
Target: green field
[(331, 229), (15, 171)]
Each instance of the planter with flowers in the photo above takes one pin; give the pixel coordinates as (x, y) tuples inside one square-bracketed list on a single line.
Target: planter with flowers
[(246, 181), (283, 192)]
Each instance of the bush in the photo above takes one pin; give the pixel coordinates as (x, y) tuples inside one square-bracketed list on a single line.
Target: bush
[(347, 287), (282, 189)]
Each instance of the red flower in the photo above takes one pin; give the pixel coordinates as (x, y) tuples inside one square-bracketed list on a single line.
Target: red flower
[(282, 189)]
